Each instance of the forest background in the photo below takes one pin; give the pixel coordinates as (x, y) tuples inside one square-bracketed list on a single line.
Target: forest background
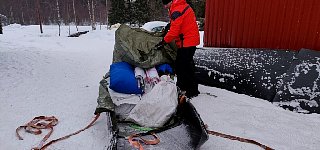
[(88, 12)]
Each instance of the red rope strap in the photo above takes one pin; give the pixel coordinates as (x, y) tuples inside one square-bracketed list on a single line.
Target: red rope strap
[(36, 125), (136, 140), (239, 139), (42, 122)]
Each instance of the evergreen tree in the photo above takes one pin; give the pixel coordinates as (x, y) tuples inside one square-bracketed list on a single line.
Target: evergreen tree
[(141, 12), (157, 11), (129, 16), (118, 12), (198, 7)]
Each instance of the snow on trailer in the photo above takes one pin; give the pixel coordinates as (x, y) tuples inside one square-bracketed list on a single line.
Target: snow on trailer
[(289, 79), (154, 26)]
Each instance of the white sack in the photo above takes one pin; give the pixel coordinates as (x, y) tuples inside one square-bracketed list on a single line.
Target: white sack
[(157, 106)]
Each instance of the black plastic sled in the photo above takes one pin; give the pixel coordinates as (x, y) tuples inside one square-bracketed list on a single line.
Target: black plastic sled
[(184, 131)]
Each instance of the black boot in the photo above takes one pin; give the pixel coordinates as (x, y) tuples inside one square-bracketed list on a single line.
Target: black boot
[(191, 94)]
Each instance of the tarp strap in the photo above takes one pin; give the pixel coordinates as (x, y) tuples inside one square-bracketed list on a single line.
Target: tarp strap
[(239, 139), (43, 122), (135, 140)]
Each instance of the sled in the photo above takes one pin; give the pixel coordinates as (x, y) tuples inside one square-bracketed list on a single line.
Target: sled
[(184, 131)]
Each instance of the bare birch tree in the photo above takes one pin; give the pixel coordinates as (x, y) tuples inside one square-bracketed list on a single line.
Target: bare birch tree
[(22, 17), (107, 11), (59, 17), (11, 20), (68, 14), (91, 9), (100, 18), (74, 14)]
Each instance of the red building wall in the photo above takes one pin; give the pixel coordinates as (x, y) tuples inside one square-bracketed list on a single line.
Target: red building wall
[(282, 24)]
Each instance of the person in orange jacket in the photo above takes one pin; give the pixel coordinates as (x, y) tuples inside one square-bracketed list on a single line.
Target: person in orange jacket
[(184, 31)]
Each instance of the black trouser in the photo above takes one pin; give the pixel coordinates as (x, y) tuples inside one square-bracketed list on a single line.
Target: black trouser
[(185, 70)]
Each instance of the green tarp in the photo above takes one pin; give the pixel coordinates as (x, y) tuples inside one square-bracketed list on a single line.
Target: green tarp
[(136, 46)]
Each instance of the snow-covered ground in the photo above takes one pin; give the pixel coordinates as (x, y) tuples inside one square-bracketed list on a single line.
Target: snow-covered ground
[(44, 74)]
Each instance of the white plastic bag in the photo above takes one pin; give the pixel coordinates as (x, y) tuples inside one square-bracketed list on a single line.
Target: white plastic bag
[(157, 106)]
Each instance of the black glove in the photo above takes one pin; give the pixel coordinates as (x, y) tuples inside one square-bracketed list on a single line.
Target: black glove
[(165, 30), (160, 45)]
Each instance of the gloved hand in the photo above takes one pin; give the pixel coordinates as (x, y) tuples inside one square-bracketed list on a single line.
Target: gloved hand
[(160, 45), (165, 30)]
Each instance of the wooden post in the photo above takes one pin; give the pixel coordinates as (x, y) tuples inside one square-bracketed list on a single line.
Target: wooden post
[(1, 26), (68, 17), (39, 14)]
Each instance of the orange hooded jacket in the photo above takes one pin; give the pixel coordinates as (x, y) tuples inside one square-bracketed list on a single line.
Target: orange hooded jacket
[(183, 22)]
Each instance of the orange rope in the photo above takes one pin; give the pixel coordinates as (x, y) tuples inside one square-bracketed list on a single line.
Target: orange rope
[(135, 140), (42, 122), (239, 139), (36, 125)]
